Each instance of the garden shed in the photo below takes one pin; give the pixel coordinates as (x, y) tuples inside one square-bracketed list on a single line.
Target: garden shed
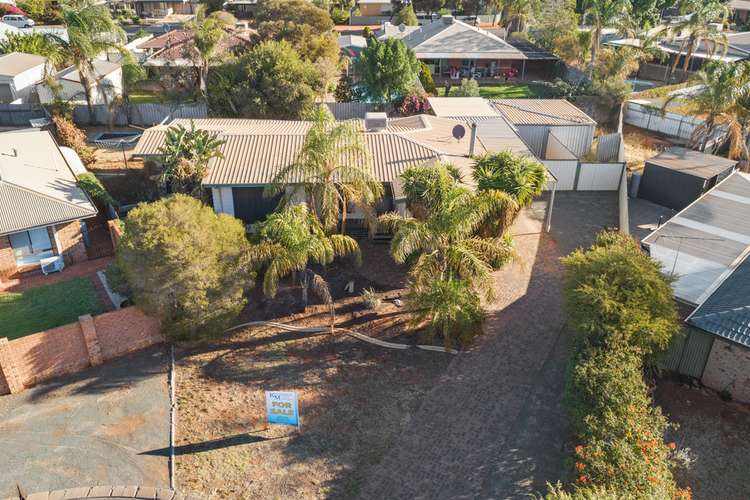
[(677, 177)]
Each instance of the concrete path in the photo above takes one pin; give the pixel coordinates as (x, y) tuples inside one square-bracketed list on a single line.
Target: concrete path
[(494, 426), (92, 428)]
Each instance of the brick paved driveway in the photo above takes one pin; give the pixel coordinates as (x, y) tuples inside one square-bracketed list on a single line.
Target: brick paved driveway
[(88, 429), (494, 427)]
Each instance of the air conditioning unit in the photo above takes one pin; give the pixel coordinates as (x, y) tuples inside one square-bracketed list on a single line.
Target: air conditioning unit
[(52, 264)]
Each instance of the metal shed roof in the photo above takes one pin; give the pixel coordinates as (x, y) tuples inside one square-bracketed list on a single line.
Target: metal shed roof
[(691, 162), (15, 63), (462, 106), (726, 312), (541, 112)]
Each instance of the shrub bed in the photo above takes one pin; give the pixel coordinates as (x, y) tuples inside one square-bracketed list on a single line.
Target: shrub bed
[(621, 307)]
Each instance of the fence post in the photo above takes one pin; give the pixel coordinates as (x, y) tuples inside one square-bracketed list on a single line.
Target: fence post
[(9, 368), (90, 338)]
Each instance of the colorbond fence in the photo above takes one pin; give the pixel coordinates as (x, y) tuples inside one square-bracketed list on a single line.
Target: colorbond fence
[(666, 123)]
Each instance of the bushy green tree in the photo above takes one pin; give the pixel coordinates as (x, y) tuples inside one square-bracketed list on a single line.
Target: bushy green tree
[(406, 16), (294, 11), (96, 190), (186, 265), (425, 78), (309, 44), (469, 88), (268, 81), (387, 69), (617, 295), (344, 91), (40, 44), (186, 153), (208, 30)]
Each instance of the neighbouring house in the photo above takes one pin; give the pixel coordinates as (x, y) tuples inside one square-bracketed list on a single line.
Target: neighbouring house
[(41, 206), (741, 10), (706, 248), (19, 76), (375, 8), (453, 50), (254, 151), (161, 8), (534, 119), (677, 177), (171, 57), (241, 9), (106, 86)]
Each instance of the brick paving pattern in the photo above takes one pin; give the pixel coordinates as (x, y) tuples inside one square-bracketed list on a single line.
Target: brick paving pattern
[(494, 426)]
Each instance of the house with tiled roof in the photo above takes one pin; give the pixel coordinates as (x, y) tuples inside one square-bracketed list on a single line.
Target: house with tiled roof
[(706, 249), (41, 206)]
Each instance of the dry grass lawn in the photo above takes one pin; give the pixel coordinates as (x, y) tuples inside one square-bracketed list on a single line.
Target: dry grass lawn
[(354, 400)]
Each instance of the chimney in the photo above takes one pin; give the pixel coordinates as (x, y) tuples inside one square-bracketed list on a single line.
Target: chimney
[(376, 122), (473, 139)]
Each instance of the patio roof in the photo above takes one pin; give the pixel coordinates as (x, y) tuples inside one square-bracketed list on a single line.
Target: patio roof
[(449, 38)]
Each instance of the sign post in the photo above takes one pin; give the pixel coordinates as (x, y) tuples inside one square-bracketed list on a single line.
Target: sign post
[(282, 408)]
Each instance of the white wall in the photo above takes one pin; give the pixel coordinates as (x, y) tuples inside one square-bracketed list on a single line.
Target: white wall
[(577, 138), (564, 171), (600, 176)]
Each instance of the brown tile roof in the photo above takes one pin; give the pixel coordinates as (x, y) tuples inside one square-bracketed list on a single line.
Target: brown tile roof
[(178, 44)]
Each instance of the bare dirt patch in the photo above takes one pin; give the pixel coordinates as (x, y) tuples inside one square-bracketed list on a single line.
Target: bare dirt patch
[(640, 145), (714, 435), (354, 397)]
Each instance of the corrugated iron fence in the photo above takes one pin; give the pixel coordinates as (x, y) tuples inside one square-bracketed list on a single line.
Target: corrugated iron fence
[(20, 115), (143, 114), (667, 123)]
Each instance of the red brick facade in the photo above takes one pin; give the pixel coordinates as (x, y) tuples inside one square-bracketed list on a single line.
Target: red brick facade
[(69, 242), (29, 360)]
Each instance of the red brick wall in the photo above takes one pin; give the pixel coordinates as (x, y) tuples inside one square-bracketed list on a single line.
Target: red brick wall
[(7, 259), (70, 240), (64, 349)]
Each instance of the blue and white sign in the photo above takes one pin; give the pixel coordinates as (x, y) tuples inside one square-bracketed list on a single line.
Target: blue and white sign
[(282, 408)]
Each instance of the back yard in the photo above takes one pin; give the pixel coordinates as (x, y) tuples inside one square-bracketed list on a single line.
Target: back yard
[(507, 91), (48, 306)]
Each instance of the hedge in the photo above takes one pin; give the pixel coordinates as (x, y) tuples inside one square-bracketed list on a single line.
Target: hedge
[(621, 306)]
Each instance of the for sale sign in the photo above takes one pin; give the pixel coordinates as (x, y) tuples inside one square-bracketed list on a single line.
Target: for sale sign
[(282, 408)]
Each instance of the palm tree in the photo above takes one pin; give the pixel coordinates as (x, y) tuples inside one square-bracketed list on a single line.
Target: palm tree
[(91, 31), (696, 19), (603, 13), (331, 171), (424, 186), (186, 153), (724, 100), (40, 44), (209, 31), (521, 177), (445, 243), (288, 241)]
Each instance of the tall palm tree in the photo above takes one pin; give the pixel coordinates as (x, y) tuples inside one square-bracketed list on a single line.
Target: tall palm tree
[(446, 245), (331, 171), (603, 13), (91, 31), (424, 186), (288, 241), (724, 100), (696, 20), (209, 31)]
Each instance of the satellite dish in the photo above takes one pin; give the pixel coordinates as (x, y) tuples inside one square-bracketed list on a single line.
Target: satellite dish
[(459, 131), (402, 27)]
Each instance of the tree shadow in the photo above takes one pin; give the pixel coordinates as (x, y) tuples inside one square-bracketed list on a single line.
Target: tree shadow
[(213, 444)]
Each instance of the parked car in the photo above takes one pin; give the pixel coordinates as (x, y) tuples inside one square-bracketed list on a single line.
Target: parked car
[(18, 21)]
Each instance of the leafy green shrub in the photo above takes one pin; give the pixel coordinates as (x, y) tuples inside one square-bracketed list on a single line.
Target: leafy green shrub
[(96, 190), (71, 136), (425, 78), (371, 299), (622, 308), (468, 88), (617, 296), (184, 264)]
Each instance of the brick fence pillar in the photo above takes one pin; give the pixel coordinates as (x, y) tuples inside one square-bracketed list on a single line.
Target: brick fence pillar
[(9, 368), (92, 341)]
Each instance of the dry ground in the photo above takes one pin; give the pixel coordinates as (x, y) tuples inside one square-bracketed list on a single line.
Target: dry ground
[(640, 145), (714, 435), (355, 398)]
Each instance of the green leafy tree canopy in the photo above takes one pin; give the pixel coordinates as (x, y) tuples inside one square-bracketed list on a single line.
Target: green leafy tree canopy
[(387, 68)]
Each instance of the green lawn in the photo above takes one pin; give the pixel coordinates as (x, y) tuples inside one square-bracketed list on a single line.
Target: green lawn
[(507, 91), (47, 306)]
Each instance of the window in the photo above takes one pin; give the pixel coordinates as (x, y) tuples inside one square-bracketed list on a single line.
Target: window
[(29, 247)]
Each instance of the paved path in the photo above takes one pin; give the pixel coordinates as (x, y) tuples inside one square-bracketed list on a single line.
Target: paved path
[(96, 427), (494, 426)]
